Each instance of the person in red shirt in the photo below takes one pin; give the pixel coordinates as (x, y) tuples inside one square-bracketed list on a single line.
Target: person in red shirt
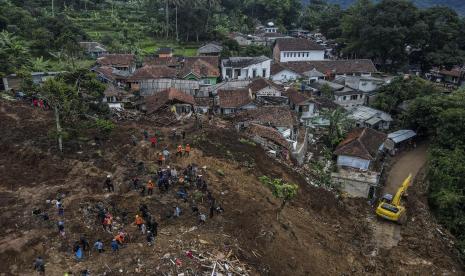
[(153, 141)]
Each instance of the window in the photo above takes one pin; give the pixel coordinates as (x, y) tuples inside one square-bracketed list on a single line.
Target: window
[(254, 73), (264, 72), (344, 98), (308, 54), (353, 97), (298, 54)]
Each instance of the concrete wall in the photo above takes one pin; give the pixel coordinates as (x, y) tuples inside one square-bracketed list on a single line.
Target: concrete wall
[(352, 187), (247, 72)]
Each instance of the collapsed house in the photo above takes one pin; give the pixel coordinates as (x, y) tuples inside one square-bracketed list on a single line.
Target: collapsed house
[(267, 92), (116, 98), (274, 120), (359, 162), (173, 99)]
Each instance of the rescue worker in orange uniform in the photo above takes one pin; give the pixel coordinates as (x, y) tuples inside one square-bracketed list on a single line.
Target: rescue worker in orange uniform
[(160, 159), (150, 187), (179, 151), (139, 221)]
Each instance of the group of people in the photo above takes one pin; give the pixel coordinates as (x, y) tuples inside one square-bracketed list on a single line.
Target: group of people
[(183, 151), (36, 102)]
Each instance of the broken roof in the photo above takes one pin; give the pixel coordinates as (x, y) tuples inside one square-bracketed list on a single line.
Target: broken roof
[(117, 60), (297, 44), (234, 98), (342, 66), (361, 142), (165, 97), (277, 116), (153, 72), (241, 62), (260, 83), (268, 133), (113, 91)]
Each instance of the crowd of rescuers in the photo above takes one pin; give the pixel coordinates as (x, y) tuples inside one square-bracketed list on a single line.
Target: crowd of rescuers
[(186, 184)]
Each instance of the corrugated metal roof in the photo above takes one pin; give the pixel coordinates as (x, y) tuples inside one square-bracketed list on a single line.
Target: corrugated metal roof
[(401, 135)]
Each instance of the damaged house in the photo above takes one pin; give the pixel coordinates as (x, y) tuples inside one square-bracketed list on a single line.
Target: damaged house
[(359, 161), (169, 99), (274, 120), (231, 101), (115, 97), (267, 92)]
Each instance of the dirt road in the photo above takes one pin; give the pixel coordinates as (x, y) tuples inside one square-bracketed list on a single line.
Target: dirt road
[(407, 162), (387, 234)]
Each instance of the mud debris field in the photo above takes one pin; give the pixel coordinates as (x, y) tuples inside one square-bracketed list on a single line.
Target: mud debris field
[(318, 233)]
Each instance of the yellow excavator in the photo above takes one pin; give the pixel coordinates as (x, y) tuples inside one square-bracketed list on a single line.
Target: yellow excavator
[(390, 207)]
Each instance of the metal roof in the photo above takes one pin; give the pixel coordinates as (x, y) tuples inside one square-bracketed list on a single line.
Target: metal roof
[(401, 135)]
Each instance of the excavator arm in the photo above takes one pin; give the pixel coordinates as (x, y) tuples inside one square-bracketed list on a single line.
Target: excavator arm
[(402, 189)]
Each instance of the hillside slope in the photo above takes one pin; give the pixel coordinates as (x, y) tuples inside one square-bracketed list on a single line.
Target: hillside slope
[(318, 233)]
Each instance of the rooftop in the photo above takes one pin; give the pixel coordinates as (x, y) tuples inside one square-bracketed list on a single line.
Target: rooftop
[(297, 44), (260, 83), (153, 72), (210, 48), (268, 133), (160, 99), (361, 142), (234, 98), (296, 97), (365, 113), (327, 67), (124, 60), (241, 62), (277, 116)]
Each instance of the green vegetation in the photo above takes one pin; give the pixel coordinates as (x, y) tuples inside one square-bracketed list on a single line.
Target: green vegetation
[(280, 189), (399, 90), (441, 117)]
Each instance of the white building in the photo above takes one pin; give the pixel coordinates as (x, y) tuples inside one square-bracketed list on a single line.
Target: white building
[(297, 49), (240, 68)]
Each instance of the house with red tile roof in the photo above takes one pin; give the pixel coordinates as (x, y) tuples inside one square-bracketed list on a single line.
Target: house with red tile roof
[(230, 101)]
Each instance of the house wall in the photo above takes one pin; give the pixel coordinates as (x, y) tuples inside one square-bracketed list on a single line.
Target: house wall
[(347, 101), (353, 187), (269, 91), (247, 72), (285, 75), (276, 53), (353, 162), (287, 56)]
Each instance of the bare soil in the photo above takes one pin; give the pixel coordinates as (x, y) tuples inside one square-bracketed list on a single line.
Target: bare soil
[(318, 233)]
